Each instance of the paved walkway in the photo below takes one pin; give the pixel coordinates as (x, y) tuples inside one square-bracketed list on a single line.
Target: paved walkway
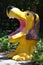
[(5, 61)]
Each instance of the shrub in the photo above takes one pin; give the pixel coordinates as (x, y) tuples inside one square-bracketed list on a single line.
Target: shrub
[(5, 45), (38, 53)]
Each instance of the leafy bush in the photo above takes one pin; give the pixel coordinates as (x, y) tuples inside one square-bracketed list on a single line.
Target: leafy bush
[(5, 45), (38, 54)]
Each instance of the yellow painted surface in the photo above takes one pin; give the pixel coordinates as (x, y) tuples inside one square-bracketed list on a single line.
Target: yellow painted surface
[(25, 48)]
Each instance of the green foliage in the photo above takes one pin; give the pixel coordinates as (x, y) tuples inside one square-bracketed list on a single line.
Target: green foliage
[(35, 2), (5, 45), (38, 53)]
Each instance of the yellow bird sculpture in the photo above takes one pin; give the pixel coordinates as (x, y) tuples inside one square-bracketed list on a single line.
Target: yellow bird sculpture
[(26, 34)]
